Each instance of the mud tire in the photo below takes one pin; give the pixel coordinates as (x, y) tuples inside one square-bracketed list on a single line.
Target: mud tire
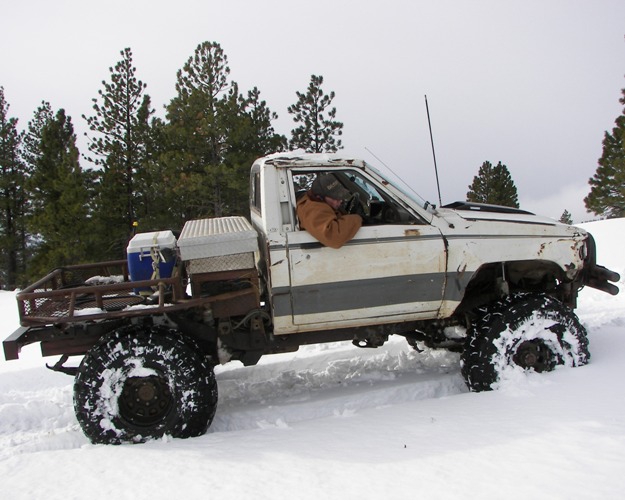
[(531, 332), (139, 384)]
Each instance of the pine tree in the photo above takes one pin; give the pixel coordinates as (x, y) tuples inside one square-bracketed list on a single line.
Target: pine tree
[(319, 132), (607, 192), (195, 134), (31, 152), (13, 200), (263, 139), (250, 134), (59, 197), (212, 136), (155, 213), (566, 218), (31, 155), (121, 132), (493, 185)]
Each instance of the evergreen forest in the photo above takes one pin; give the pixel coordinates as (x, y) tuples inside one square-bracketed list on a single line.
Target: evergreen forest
[(141, 173), (60, 206)]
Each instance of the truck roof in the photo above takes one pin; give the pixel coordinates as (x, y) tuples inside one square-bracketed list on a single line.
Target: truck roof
[(291, 159)]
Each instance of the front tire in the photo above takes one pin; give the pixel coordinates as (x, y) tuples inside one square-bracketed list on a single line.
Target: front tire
[(531, 332), (139, 384)]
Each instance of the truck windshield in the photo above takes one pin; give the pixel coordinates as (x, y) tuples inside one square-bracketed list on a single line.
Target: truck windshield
[(398, 183), (380, 204)]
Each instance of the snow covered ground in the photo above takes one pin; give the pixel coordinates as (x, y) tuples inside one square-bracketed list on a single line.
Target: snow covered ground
[(334, 421)]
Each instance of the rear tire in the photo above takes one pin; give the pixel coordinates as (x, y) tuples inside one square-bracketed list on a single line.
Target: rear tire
[(531, 332), (139, 384)]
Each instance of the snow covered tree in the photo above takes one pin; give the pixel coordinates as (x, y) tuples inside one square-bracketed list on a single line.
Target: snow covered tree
[(59, 198), (120, 127), (13, 199), (493, 185), (566, 218), (318, 132), (607, 191)]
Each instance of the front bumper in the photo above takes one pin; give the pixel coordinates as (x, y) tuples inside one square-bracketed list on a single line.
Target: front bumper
[(594, 275)]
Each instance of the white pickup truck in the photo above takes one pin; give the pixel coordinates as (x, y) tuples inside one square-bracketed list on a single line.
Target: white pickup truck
[(496, 283)]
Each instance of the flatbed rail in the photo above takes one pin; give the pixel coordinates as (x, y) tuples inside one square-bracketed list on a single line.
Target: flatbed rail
[(91, 292), (68, 310)]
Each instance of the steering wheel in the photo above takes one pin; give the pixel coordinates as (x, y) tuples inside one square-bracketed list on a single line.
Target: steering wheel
[(390, 214)]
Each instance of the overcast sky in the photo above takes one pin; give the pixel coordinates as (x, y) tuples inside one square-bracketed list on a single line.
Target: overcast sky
[(533, 83)]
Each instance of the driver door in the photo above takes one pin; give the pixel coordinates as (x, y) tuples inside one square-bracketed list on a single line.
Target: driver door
[(392, 269)]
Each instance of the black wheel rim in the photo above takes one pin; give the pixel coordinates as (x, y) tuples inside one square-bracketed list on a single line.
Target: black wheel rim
[(145, 401), (535, 354)]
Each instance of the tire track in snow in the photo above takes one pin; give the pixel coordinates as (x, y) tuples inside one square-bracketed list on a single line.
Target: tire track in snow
[(335, 383), (38, 414), (331, 380)]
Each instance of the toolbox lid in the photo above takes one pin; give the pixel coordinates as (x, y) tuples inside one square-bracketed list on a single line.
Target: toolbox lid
[(216, 237)]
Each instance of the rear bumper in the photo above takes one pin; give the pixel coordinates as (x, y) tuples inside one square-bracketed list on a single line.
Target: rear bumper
[(14, 342)]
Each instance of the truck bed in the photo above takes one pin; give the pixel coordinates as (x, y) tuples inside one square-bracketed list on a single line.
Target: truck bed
[(92, 292), (71, 307)]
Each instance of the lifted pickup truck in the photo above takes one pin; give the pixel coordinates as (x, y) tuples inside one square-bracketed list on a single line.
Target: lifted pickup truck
[(495, 283)]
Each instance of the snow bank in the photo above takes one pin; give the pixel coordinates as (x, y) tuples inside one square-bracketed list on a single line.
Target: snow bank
[(597, 308)]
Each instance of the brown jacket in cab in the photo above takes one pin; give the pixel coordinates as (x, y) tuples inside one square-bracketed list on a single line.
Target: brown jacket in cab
[(331, 228)]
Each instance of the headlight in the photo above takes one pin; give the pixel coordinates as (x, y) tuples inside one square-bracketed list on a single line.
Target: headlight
[(583, 250)]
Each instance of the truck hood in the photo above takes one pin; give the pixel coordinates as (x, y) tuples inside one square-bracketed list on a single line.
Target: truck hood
[(484, 212)]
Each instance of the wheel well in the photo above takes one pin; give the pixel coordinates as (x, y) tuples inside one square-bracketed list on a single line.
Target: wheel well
[(494, 280)]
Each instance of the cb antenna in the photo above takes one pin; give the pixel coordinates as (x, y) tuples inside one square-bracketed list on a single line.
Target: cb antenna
[(438, 186)]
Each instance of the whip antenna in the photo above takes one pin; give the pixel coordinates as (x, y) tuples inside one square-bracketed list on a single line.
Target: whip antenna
[(438, 186)]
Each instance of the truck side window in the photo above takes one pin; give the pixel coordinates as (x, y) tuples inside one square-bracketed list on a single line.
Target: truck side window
[(382, 207), (255, 192), (302, 182)]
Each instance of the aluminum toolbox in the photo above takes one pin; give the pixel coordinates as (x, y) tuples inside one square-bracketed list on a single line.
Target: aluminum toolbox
[(229, 241)]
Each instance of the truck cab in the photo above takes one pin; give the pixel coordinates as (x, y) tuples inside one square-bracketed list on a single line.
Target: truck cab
[(393, 270)]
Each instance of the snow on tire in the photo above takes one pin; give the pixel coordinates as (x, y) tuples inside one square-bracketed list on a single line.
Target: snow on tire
[(140, 383), (523, 332)]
